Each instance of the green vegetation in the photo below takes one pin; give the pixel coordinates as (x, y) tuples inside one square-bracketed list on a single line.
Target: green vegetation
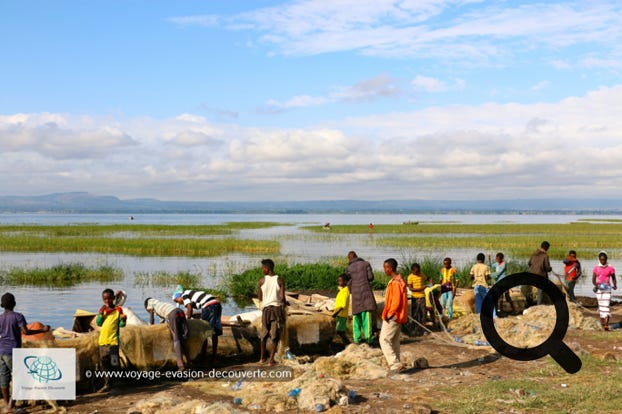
[(135, 230), (297, 277), (517, 240), (60, 275), (169, 280), (139, 240), (594, 389), (322, 276), (166, 279)]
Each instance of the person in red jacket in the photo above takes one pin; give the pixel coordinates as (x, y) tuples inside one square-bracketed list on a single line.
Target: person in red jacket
[(394, 315)]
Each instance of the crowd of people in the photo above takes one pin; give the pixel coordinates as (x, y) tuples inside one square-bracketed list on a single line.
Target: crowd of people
[(430, 297)]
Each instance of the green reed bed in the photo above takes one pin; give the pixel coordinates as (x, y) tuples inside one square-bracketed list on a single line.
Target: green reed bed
[(152, 230), (162, 279), (497, 228), (137, 246), (298, 276), (587, 238), (322, 276), (60, 275)]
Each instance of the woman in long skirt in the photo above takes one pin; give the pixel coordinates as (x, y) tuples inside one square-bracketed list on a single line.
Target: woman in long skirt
[(604, 279)]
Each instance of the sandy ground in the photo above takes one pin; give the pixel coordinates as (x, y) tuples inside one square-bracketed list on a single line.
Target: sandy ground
[(413, 390)]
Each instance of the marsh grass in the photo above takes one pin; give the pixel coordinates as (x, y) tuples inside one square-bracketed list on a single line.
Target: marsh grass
[(187, 280), (297, 277), (64, 275), (519, 240), (323, 276), (136, 240), (594, 389), (166, 279), (92, 230), (192, 247)]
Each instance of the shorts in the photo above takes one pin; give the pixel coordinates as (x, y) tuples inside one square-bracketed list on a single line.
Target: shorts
[(272, 322), (342, 324), (6, 367), (109, 357), (212, 315)]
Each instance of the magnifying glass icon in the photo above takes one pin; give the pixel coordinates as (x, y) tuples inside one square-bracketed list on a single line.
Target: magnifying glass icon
[(553, 345)]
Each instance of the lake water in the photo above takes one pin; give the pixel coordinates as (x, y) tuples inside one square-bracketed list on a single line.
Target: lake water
[(55, 306)]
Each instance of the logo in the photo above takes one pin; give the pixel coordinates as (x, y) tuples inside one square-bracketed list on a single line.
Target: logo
[(44, 374), (42, 369)]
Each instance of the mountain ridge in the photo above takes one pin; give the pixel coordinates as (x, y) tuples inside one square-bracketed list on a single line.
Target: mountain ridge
[(85, 202)]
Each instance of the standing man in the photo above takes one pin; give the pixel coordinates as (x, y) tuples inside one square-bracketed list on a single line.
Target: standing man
[(394, 315), (539, 264), (210, 307), (271, 294), (362, 297), (480, 273), (572, 271)]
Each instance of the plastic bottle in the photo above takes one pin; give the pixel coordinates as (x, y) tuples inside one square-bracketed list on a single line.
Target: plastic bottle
[(237, 401), (458, 339), (319, 407), (351, 395), (295, 392), (289, 355)]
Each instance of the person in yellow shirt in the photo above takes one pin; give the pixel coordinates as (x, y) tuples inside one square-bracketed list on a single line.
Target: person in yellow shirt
[(110, 318), (480, 273), (417, 282), (342, 304), (449, 284)]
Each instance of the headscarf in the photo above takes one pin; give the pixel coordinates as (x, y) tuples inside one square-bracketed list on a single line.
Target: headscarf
[(178, 292)]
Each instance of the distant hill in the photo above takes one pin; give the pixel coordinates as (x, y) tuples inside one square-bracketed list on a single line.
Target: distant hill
[(83, 202)]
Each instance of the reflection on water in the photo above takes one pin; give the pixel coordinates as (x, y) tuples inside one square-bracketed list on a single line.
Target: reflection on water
[(55, 306)]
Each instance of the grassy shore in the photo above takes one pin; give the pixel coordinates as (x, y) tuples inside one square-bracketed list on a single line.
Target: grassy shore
[(139, 240), (548, 390)]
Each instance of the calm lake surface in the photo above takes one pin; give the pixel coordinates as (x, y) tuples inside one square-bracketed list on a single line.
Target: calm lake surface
[(55, 306)]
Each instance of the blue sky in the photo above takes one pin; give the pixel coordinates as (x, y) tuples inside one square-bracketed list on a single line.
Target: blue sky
[(295, 100)]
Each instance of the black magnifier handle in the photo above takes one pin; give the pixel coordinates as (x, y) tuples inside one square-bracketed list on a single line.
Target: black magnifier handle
[(567, 359)]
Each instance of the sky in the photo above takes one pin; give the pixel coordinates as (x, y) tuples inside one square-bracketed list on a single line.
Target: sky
[(263, 100)]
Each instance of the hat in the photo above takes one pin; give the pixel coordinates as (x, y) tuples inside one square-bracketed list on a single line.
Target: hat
[(177, 292)]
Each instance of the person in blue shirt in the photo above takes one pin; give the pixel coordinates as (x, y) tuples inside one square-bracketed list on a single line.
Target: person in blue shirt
[(12, 326), (499, 271)]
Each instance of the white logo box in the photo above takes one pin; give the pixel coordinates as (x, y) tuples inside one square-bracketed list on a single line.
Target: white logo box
[(44, 374)]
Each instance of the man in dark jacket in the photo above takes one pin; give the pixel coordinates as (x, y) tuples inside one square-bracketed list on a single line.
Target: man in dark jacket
[(362, 298), (539, 264)]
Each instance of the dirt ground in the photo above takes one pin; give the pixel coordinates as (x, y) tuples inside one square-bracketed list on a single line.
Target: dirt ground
[(451, 365)]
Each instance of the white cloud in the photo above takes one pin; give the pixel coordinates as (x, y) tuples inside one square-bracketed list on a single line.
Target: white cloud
[(593, 62), (369, 89), (428, 84), (481, 151), (378, 87), (540, 86), (478, 32), (201, 20)]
